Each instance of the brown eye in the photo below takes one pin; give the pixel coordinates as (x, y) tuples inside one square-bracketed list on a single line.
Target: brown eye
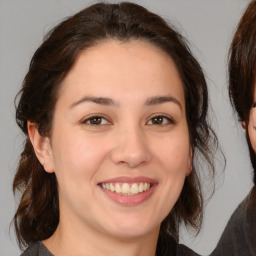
[(96, 120), (157, 120), (160, 120)]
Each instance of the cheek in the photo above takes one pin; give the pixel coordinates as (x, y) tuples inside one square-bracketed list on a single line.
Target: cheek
[(77, 159), (174, 158), (251, 130), (174, 155), (252, 136)]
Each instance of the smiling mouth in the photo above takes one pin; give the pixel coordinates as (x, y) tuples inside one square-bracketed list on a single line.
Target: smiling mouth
[(126, 188)]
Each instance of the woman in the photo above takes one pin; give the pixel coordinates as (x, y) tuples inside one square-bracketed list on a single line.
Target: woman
[(114, 110), (239, 235)]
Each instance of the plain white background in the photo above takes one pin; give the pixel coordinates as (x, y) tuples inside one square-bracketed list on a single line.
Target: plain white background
[(207, 24)]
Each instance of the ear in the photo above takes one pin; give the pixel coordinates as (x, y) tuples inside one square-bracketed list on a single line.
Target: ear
[(252, 128), (42, 147), (243, 125), (190, 161)]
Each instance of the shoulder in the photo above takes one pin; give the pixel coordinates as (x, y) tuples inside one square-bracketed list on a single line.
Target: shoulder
[(237, 238), (167, 246), (238, 220), (32, 250), (182, 250), (36, 249)]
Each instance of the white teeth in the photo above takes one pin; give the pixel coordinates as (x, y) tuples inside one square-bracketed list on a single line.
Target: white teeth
[(141, 187), (118, 188), (112, 188), (125, 188), (134, 189)]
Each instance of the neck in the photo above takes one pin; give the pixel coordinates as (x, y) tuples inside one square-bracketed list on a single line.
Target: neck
[(70, 239)]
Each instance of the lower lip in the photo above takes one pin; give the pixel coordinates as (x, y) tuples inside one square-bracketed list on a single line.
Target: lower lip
[(130, 200)]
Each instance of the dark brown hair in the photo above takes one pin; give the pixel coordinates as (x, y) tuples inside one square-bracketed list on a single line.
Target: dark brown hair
[(242, 71), (37, 215)]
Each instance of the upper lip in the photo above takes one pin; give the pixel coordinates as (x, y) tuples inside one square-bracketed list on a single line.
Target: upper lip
[(124, 179)]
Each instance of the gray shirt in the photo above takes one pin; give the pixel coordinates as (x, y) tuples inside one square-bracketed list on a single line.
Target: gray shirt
[(239, 236), (38, 249)]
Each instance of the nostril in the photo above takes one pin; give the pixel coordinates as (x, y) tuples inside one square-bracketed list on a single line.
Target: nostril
[(129, 158), (131, 149)]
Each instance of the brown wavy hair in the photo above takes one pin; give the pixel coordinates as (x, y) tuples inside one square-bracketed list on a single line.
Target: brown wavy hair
[(37, 215), (242, 73)]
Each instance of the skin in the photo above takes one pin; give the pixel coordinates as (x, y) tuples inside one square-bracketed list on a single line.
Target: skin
[(252, 123), (125, 143)]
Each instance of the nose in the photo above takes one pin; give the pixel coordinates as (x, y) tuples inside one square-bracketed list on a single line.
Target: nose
[(131, 149)]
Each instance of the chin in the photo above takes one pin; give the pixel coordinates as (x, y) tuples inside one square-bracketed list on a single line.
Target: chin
[(130, 228), (131, 234)]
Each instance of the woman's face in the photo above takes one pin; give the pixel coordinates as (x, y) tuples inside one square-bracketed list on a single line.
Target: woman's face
[(120, 143), (252, 124)]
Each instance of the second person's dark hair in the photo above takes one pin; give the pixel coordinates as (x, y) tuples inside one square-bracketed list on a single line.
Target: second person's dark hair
[(242, 71)]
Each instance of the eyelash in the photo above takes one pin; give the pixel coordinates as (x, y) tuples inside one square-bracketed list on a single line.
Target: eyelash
[(98, 120), (91, 118), (168, 120)]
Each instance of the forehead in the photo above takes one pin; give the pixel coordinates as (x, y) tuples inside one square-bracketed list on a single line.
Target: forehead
[(123, 68)]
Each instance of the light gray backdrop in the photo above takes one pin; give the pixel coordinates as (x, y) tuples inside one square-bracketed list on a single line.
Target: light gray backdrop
[(208, 24)]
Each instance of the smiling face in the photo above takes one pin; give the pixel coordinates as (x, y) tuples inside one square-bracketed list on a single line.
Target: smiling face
[(119, 144)]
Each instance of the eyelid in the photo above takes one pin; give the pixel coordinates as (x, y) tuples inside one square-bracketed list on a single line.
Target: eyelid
[(87, 118), (164, 116)]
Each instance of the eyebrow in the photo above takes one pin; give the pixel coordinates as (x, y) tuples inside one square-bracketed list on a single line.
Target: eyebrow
[(110, 102), (162, 99), (97, 100)]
